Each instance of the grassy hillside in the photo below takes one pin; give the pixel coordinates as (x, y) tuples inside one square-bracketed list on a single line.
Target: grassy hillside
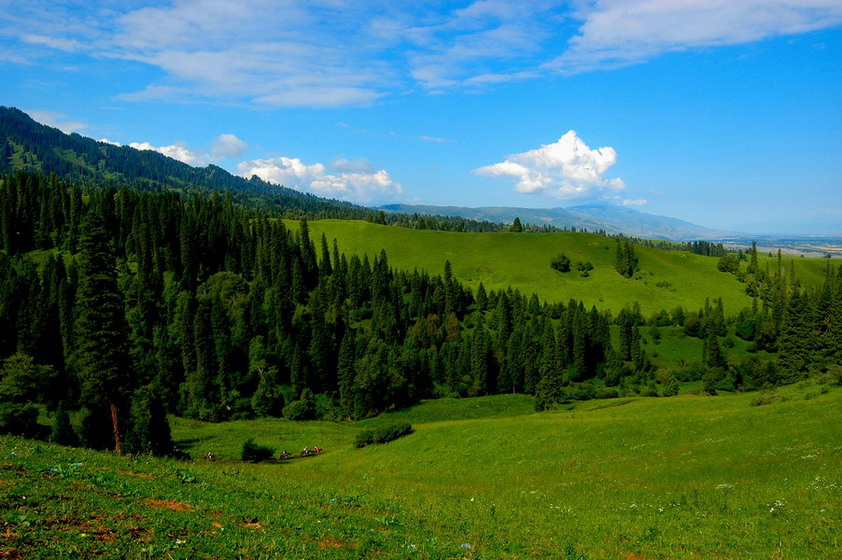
[(685, 477), (499, 260)]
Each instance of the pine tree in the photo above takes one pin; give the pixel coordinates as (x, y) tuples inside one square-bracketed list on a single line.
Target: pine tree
[(150, 430), (101, 354), (482, 298), (62, 431), (346, 373)]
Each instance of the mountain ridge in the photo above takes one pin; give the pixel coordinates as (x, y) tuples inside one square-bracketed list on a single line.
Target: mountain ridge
[(593, 217)]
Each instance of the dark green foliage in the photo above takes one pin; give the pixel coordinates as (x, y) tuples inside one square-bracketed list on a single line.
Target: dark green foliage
[(255, 453), (560, 263), (671, 388), (302, 409), (584, 268), (517, 227), (22, 382), (227, 310), (606, 393), (729, 263), (19, 419), (100, 357), (626, 261), (149, 429), (62, 430), (385, 434)]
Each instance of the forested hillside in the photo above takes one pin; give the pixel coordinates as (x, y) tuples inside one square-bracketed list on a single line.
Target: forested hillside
[(26, 145), (125, 305)]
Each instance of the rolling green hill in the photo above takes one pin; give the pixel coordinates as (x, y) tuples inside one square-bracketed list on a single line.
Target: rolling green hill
[(686, 477), (499, 260)]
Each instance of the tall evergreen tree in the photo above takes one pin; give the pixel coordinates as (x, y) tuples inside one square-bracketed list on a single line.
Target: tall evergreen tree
[(101, 342)]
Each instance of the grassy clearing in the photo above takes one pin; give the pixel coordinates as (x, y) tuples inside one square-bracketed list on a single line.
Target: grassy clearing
[(684, 477), (499, 260)]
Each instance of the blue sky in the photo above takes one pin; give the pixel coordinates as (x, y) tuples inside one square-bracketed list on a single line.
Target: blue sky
[(726, 113)]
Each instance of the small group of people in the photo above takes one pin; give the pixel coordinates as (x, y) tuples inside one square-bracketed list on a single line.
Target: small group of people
[(305, 452)]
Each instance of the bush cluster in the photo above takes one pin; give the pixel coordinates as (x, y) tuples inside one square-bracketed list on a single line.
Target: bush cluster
[(255, 453), (383, 435)]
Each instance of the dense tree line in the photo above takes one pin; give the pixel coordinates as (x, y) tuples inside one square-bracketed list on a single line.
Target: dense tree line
[(143, 303), (124, 305)]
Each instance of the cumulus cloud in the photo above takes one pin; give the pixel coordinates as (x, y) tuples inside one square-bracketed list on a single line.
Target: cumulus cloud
[(227, 145), (354, 181), (178, 151), (224, 145), (566, 169)]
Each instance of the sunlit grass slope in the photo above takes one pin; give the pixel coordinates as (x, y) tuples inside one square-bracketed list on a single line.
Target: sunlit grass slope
[(666, 279), (684, 477)]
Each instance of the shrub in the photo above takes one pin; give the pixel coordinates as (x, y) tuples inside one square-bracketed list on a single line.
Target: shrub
[(19, 419), (302, 409), (254, 452), (671, 388), (763, 398), (606, 393), (385, 434), (560, 263)]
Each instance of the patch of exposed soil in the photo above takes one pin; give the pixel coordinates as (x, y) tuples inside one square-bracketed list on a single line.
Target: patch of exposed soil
[(328, 543), (138, 475), (172, 505)]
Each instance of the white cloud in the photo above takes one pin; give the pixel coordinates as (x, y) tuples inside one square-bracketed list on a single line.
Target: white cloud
[(566, 169), (620, 32), (436, 139), (57, 120), (334, 53), (178, 151), (67, 45), (227, 145), (224, 145), (635, 202), (348, 180), (107, 141)]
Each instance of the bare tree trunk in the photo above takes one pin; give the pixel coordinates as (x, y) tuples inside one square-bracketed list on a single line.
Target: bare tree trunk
[(116, 428)]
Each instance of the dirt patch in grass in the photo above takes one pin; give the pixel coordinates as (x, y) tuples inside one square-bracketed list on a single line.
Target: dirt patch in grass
[(11, 554), (329, 543), (172, 505), (138, 475)]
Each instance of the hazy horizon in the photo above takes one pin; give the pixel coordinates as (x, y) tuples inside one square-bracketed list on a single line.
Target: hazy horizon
[(723, 115)]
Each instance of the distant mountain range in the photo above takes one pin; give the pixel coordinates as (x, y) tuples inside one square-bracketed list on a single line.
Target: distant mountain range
[(26, 145), (611, 219)]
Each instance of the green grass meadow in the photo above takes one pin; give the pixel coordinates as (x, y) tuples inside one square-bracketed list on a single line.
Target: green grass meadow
[(522, 260), (683, 477)]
